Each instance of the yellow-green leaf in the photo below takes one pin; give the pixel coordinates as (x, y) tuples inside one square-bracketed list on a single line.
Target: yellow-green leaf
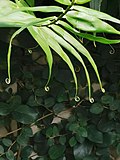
[(81, 1)]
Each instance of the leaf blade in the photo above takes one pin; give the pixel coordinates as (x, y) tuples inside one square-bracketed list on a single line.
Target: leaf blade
[(57, 48), (64, 43), (41, 40), (85, 52)]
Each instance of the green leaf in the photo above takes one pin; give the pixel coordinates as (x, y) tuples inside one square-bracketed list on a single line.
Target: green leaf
[(115, 105), (49, 132), (41, 9), (10, 155), (24, 114), (84, 51), (40, 92), (7, 142), (27, 131), (82, 150), (62, 140), (96, 108), (81, 1), (86, 22), (88, 36), (68, 38), (26, 152), (50, 142), (1, 150), (94, 135), (31, 2), (102, 151), (39, 36), (16, 19), (95, 13), (106, 125), (23, 137), (56, 151), (111, 115), (79, 138), (107, 99), (40, 144), (15, 101), (34, 102), (72, 141), (74, 127), (4, 109), (58, 107), (109, 138), (55, 131), (49, 102), (57, 48), (30, 23), (65, 2), (82, 131)]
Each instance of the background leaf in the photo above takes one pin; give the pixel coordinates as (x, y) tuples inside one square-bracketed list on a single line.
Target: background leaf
[(96, 108), (41, 39), (10, 155), (56, 151), (24, 114), (82, 150), (94, 135)]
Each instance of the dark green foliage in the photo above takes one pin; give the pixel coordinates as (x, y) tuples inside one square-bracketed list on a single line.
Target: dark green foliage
[(87, 133)]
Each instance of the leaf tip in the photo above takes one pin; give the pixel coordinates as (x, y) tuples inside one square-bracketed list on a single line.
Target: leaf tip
[(77, 98), (7, 80), (47, 88), (91, 100)]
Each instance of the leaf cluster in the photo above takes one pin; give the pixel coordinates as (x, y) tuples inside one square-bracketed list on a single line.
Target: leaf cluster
[(52, 32), (51, 125)]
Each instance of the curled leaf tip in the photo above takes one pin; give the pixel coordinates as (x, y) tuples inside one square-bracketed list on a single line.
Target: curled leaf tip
[(103, 90), (77, 99), (77, 69), (112, 51), (47, 88), (30, 51), (7, 81), (91, 100)]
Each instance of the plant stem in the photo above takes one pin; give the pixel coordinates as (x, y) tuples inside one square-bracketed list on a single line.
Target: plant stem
[(45, 116), (62, 15)]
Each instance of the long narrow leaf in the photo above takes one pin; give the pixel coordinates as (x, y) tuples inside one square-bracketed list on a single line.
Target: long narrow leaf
[(41, 40), (84, 51), (89, 23), (81, 1), (40, 9), (6, 6), (57, 48), (8, 80), (88, 36), (66, 45), (17, 19), (95, 13)]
